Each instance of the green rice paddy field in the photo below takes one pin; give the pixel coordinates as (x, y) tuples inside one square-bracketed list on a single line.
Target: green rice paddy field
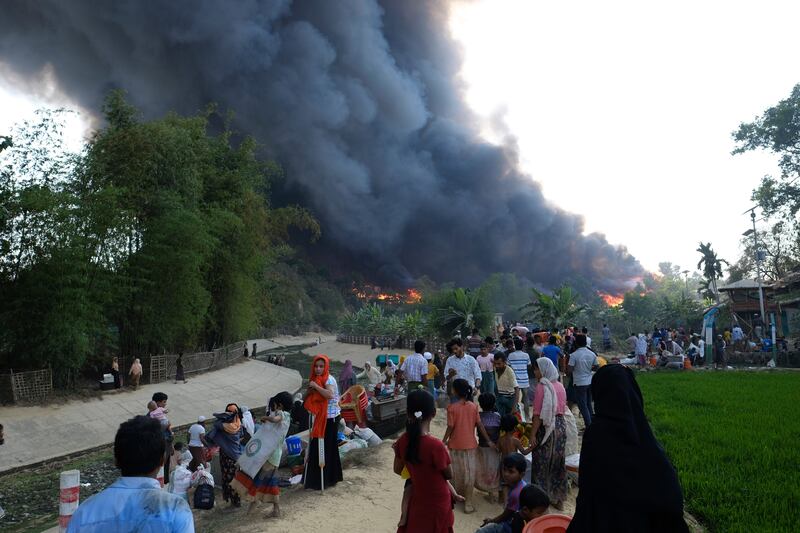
[(734, 438)]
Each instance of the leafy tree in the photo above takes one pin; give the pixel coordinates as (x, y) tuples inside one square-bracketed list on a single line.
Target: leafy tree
[(459, 311), (711, 266), (557, 310), (781, 246), (159, 237), (776, 130)]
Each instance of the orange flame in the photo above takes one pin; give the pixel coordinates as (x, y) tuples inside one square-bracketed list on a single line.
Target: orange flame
[(369, 293), (610, 299), (413, 296)]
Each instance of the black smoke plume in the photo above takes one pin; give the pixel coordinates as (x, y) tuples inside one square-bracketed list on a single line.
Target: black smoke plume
[(358, 99)]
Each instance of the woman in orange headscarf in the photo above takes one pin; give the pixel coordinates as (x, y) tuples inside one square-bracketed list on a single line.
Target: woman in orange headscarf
[(322, 402)]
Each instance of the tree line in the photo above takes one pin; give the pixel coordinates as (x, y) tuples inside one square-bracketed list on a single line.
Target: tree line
[(158, 236)]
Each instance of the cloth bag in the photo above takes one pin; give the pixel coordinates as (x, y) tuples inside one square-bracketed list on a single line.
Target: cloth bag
[(266, 440)]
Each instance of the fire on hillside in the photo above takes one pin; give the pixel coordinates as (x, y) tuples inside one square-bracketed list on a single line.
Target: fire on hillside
[(374, 293), (611, 300)]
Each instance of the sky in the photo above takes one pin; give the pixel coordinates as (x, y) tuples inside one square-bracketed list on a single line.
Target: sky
[(623, 111)]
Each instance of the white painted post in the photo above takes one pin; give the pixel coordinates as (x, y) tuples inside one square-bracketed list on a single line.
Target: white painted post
[(69, 496), (160, 476)]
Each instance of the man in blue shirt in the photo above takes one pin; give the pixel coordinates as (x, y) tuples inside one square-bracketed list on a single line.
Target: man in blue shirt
[(552, 351), (135, 502)]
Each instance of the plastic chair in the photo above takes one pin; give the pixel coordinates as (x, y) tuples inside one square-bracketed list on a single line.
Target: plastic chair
[(549, 523), (353, 404)]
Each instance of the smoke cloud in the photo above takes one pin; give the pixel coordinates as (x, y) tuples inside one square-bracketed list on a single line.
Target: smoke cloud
[(359, 100)]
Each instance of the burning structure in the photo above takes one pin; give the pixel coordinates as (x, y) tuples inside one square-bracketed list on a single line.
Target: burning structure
[(359, 100), (374, 293)]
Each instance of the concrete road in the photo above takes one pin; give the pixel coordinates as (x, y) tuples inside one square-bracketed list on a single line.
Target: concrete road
[(35, 434)]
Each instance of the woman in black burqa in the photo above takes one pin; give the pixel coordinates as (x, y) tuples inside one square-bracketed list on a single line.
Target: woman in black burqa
[(627, 484)]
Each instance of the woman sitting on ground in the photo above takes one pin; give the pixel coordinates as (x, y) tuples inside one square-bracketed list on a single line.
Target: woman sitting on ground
[(621, 456)]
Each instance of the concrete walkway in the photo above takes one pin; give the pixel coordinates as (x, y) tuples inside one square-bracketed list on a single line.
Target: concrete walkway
[(35, 434)]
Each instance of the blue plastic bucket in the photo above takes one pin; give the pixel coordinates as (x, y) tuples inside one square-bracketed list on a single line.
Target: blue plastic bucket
[(293, 446)]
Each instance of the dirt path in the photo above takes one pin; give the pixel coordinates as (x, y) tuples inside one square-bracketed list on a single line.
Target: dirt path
[(368, 500)]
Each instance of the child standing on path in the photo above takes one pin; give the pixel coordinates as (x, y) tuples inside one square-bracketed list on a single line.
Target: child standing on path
[(462, 420), (488, 475), (430, 501)]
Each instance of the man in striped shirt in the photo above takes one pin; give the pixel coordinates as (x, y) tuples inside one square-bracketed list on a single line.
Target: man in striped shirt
[(520, 362)]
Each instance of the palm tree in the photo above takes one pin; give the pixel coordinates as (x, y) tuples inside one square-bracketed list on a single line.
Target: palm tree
[(460, 310), (711, 266), (557, 310)]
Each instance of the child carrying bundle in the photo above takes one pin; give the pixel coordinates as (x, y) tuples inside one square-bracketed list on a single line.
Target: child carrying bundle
[(257, 479)]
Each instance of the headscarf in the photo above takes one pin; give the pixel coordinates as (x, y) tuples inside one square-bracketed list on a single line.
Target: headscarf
[(638, 467), (373, 374), (347, 378), (390, 367), (549, 400), (226, 431), (136, 368), (234, 423), (316, 403)]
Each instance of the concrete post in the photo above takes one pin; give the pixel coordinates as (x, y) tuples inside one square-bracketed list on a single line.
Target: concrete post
[(69, 496)]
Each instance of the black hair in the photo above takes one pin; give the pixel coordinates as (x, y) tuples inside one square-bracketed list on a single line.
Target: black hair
[(584, 330), (455, 341), (283, 398), (516, 461), (484, 345), (500, 355), (474, 331), (532, 497), (139, 446), (159, 397), (552, 339), (463, 389), (518, 344), (580, 340), (508, 423), (486, 401), (419, 346), (489, 340), (178, 446), (419, 401)]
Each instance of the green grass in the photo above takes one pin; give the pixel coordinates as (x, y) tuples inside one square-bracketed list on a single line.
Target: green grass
[(734, 438), (30, 497)]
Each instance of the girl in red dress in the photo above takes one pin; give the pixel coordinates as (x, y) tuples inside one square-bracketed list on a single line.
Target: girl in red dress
[(428, 461)]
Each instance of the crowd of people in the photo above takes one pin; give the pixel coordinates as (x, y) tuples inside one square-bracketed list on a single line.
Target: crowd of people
[(147, 447), (482, 449), (508, 409)]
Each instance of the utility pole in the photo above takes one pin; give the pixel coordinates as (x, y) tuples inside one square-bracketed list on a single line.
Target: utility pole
[(686, 281), (758, 267), (760, 285)]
